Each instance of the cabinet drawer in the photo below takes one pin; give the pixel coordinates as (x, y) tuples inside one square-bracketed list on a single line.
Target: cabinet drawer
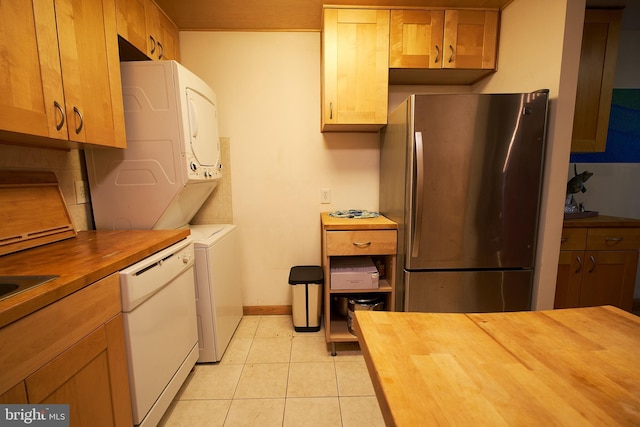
[(573, 239), (613, 239), (364, 242)]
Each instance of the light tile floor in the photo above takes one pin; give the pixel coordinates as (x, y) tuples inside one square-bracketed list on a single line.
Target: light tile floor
[(273, 376)]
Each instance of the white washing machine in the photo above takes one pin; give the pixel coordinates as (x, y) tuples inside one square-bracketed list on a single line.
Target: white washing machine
[(218, 287)]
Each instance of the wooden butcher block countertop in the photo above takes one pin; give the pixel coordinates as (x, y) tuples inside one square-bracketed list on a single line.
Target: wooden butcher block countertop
[(378, 223), (79, 261), (571, 367)]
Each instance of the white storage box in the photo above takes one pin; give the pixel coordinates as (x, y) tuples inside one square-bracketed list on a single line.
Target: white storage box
[(357, 272)]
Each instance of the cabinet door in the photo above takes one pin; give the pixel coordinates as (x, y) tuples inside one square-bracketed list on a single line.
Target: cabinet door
[(16, 394), (87, 42), (130, 17), (355, 69), (32, 100), (415, 38), (569, 280), (609, 278), (169, 39), (470, 39), (598, 57), (78, 377), (152, 20)]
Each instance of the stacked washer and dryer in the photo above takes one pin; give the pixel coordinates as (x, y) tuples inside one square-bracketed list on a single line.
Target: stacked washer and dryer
[(170, 167)]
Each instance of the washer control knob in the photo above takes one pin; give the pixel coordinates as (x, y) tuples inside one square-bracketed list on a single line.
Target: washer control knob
[(193, 166)]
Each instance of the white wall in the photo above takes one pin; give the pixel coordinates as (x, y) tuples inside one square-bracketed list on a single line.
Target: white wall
[(532, 56), (268, 90)]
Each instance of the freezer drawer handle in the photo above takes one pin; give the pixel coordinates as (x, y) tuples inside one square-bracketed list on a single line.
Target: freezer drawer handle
[(362, 244)]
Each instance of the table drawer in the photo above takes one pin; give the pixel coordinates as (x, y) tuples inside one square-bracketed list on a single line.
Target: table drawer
[(361, 242), (573, 239), (613, 239)]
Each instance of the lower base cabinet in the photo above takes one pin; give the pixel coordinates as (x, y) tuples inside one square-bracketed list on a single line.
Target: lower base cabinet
[(597, 266), (71, 352)]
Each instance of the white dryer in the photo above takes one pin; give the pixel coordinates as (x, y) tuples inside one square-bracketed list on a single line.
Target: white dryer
[(172, 160), (218, 287)]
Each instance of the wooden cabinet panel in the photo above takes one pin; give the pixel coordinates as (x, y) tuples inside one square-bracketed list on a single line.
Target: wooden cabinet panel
[(470, 39), (84, 56), (573, 239), (613, 239), (169, 36), (32, 100), (361, 242), (355, 70), (609, 278), (451, 39), (597, 266), (130, 16), (569, 279), (73, 92), (415, 38), (595, 79), (17, 394)]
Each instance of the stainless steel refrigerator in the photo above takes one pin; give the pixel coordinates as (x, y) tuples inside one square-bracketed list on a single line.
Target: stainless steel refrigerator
[(461, 175)]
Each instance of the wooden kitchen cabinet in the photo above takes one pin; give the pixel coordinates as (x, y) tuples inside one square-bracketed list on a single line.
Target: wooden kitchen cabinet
[(130, 18), (463, 42), (343, 237), (596, 75), (597, 265), (64, 79), (463, 39), (162, 34), (355, 71), (72, 352), (146, 27)]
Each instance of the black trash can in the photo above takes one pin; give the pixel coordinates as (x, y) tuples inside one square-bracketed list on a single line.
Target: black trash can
[(306, 305)]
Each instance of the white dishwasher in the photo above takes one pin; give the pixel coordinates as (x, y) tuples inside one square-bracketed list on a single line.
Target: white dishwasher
[(159, 311)]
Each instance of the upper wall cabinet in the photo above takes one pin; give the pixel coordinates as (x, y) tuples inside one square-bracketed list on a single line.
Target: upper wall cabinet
[(71, 92), (145, 26), (595, 79), (422, 40), (355, 58)]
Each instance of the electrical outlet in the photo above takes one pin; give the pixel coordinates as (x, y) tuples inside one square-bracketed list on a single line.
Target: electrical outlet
[(325, 196), (81, 192)]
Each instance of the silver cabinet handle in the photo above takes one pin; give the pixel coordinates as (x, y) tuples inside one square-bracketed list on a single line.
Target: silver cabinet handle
[(451, 57), (362, 244), (79, 114), (564, 239), (437, 54), (331, 110), (59, 108), (417, 219), (614, 239), (161, 54), (579, 264), (593, 264), (153, 44)]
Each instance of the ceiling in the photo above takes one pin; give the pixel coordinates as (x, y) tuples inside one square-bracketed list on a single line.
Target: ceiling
[(305, 15), (271, 15)]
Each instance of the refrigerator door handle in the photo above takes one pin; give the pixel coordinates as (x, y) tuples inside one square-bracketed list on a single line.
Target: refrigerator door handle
[(417, 218)]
